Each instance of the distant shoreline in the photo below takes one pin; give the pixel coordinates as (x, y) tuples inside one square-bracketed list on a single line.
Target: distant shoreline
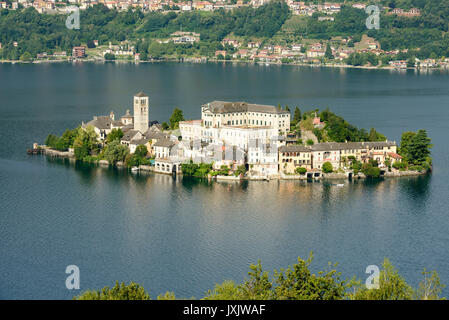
[(341, 66)]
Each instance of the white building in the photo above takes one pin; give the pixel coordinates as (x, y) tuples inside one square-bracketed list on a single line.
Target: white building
[(219, 113)]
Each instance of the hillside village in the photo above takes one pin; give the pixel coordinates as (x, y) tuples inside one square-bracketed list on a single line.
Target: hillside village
[(240, 139), (280, 49)]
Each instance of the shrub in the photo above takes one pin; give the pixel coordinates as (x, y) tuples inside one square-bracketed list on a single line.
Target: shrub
[(370, 171), (327, 167), (301, 170), (309, 142)]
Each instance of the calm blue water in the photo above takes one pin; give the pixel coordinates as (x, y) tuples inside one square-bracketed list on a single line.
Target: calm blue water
[(183, 235)]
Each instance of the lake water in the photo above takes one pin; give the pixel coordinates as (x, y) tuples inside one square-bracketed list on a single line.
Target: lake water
[(182, 235)]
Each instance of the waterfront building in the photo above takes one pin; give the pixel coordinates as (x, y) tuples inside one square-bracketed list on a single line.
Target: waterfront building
[(263, 160), (294, 156), (79, 52)]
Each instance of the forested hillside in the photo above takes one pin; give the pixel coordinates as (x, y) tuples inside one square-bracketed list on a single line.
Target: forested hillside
[(425, 35)]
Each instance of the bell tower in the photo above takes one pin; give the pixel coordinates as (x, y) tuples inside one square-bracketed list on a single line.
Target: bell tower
[(141, 112)]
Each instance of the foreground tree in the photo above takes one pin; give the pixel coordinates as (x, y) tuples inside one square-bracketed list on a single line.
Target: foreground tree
[(392, 286), (132, 291), (296, 282)]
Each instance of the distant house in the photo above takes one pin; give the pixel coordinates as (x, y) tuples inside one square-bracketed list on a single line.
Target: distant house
[(184, 37), (60, 54), (230, 42), (220, 52), (400, 64), (79, 52), (315, 53)]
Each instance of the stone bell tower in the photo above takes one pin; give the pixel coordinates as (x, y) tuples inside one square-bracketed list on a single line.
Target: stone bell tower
[(141, 112)]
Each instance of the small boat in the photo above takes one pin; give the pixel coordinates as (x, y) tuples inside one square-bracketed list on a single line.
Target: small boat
[(340, 185), (135, 169)]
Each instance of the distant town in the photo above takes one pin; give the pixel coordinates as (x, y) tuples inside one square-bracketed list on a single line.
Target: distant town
[(348, 51), (232, 140)]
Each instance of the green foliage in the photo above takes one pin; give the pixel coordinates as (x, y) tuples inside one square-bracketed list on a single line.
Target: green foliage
[(430, 287), (86, 143), (109, 56), (240, 170), (196, 170), (296, 282), (115, 151), (318, 134), (309, 142), (165, 126), (169, 295), (141, 151), (339, 130), (296, 116), (370, 170), (47, 33), (132, 291), (175, 118), (327, 167), (228, 290), (328, 53), (64, 142), (301, 170), (376, 136), (415, 148), (356, 166), (392, 286), (399, 165), (115, 134)]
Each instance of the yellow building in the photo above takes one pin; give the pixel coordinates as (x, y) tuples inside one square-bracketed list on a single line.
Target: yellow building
[(294, 156)]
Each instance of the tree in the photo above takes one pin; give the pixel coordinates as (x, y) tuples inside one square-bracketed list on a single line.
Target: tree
[(26, 57), (175, 118), (415, 147), (109, 56), (327, 167), (298, 283), (115, 134), (301, 170), (115, 151), (392, 286), (430, 287), (132, 291), (370, 170), (85, 143), (375, 136), (165, 126), (240, 170), (90, 44), (228, 290), (141, 151), (297, 116), (328, 53)]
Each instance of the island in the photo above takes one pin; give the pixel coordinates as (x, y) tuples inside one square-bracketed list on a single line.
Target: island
[(241, 140)]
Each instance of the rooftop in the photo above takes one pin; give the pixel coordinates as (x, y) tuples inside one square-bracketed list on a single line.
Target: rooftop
[(228, 107), (141, 94)]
